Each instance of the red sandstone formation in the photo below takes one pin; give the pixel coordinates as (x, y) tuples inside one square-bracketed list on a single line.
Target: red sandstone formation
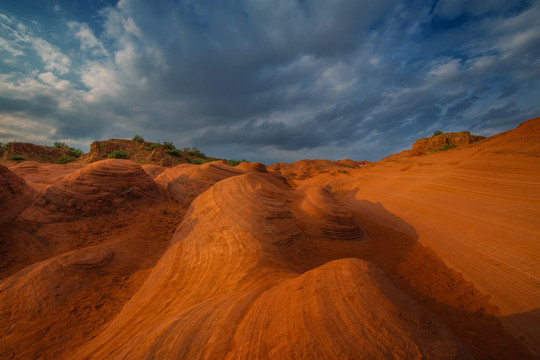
[(96, 189), (431, 256), (252, 166), (450, 140), (35, 152), (142, 152), (15, 195), (191, 181)]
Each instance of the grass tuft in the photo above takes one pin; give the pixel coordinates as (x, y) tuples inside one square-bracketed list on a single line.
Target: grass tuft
[(118, 154)]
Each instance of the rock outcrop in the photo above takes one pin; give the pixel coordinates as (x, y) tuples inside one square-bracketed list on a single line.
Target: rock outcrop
[(444, 141), (35, 152), (96, 189), (142, 152)]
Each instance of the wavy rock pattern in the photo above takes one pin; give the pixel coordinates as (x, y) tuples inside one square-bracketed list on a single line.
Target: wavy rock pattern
[(477, 207), (37, 288), (224, 290), (250, 262), (345, 309), (190, 181), (252, 166), (329, 219), (96, 189)]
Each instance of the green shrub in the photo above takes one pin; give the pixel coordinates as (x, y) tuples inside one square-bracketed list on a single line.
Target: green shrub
[(235, 162), (195, 152), (152, 146), (118, 154), (76, 152), (444, 148), (196, 161), (59, 144), (64, 159), (168, 145), (438, 132), (138, 138), (17, 158), (173, 152)]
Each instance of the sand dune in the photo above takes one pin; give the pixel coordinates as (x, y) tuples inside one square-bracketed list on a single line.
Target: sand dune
[(415, 256)]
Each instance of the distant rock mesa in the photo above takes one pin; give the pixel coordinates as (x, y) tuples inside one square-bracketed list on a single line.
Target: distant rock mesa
[(435, 142)]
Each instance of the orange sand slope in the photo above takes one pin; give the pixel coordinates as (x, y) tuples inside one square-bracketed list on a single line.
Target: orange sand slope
[(478, 207), (431, 256)]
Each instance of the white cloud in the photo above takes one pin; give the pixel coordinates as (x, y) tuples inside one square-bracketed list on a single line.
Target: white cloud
[(515, 45), (50, 79), (445, 68), (482, 63), (53, 58), (102, 80), (16, 39), (9, 47), (19, 127), (88, 40), (11, 40)]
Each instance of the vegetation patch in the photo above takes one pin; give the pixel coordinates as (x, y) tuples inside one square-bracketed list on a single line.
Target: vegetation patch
[(60, 145), (152, 146), (118, 154), (198, 161), (64, 159), (17, 158), (443, 148), (76, 153), (138, 138), (195, 152), (174, 152), (169, 145), (233, 162)]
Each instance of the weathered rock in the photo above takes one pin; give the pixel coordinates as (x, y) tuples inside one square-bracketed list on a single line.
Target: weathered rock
[(436, 142), (35, 152), (15, 195), (96, 189)]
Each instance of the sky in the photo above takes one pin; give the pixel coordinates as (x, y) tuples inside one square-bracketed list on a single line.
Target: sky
[(267, 80)]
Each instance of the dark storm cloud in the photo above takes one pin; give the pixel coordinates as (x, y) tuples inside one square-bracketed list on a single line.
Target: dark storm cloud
[(279, 80), (38, 106)]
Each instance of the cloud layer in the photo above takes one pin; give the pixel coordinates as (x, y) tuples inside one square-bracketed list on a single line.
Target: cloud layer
[(269, 80)]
